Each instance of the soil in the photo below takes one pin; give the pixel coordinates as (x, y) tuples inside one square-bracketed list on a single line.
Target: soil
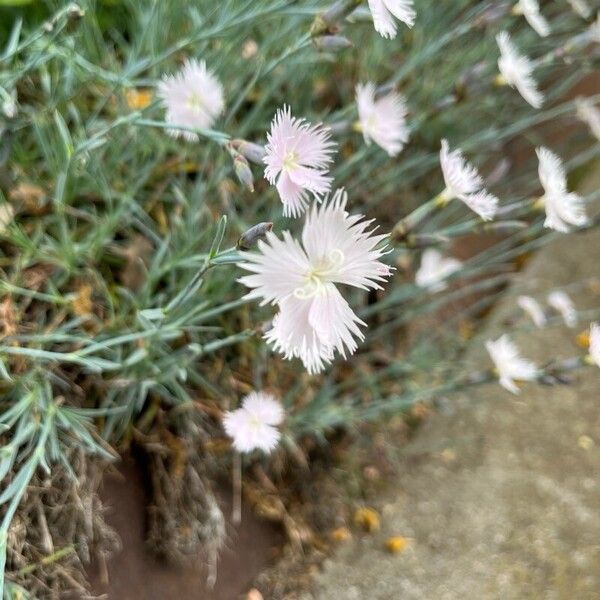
[(134, 573)]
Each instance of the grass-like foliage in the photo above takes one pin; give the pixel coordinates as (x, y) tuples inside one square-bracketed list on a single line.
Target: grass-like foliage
[(120, 309)]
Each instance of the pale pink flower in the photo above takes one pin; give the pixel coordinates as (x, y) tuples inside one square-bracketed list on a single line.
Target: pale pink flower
[(563, 209), (463, 181), (590, 115), (533, 309), (595, 29), (297, 158), (510, 365), (562, 304), (314, 319), (595, 343), (193, 98), (516, 71), (382, 120), (530, 9), (435, 269), (384, 11), (253, 426)]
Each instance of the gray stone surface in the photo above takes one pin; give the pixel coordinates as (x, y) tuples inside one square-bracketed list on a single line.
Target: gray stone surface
[(500, 499)]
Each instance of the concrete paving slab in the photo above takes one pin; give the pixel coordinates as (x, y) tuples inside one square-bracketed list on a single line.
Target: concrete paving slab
[(500, 499)]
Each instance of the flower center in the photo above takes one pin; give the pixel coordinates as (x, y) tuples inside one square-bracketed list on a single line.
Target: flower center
[(320, 273), (290, 160), (372, 122), (254, 422), (194, 102)]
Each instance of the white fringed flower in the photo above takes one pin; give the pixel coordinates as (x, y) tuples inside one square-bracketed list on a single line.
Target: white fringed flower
[(581, 7), (7, 215), (563, 209), (253, 426), (193, 98), (533, 309), (435, 269), (510, 365), (516, 71), (595, 343), (297, 158), (562, 304), (530, 9), (382, 120), (8, 102), (384, 11), (595, 29), (314, 319), (590, 115), (463, 181)]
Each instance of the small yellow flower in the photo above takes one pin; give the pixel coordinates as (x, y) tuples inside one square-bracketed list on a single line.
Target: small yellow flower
[(539, 203), (396, 544), (448, 455), (499, 80), (594, 286), (138, 99), (82, 302), (249, 49), (583, 339), (340, 534), (585, 442), (466, 329), (420, 410), (367, 518)]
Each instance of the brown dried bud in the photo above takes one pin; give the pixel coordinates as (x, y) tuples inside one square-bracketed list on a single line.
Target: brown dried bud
[(255, 233)]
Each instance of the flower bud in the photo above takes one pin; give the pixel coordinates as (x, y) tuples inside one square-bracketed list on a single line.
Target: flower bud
[(255, 233), (332, 43), (9, 104), (493, 14), (74, 11), (253, 152), (243, 172), (425, 240), (328, 19)]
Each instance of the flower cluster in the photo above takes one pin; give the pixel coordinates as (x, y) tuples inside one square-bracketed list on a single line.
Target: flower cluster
[(305, 278), (558, 300)]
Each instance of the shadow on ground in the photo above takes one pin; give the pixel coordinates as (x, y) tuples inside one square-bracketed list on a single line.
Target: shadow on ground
[(135, 574)]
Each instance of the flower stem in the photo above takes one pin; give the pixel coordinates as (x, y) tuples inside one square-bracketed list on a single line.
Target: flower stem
[(329, 18), (406, 225), (236, 511)]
